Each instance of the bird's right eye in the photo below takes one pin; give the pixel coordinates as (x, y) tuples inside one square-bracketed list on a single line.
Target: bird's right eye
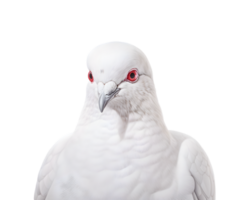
[(90, 76), (132, 76)]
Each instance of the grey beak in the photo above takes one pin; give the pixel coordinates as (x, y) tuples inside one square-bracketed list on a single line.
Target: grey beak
[(105, 98)]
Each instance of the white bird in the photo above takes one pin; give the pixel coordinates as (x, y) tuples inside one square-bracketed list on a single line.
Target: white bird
[(121, 148)]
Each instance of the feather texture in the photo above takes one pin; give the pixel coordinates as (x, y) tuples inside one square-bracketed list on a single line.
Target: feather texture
[(126, 152)]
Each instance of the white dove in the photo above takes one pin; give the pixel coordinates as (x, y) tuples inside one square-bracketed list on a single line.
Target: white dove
[(121, 148)]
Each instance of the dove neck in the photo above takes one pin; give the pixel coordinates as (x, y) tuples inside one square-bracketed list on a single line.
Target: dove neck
[(146, 124), (145, 119), (135, 126)]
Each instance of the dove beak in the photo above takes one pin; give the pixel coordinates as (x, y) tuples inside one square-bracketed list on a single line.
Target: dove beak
[(105, 98)]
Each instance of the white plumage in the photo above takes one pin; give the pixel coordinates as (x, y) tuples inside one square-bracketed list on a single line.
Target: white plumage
[(121, 148)]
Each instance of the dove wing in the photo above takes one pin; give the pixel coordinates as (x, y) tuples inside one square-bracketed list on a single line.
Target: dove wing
[(200, 169), (47, 171)]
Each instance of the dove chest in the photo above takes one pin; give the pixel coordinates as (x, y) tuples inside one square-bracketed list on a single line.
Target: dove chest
[(112, 168)]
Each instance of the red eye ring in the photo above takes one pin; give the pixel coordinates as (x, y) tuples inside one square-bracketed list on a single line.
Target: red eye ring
[(132, 76), (90, 76)]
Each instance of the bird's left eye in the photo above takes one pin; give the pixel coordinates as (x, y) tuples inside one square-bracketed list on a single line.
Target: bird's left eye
[(132, 75), (90, 76)]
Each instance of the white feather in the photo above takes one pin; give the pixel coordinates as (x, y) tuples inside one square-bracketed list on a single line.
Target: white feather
[(126, 152)]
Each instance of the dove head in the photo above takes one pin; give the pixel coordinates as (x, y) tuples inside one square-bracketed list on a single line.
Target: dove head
[(122, 76), (112, 61)]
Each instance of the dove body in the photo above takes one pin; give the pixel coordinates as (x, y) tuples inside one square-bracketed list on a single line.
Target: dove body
[(121, 148)]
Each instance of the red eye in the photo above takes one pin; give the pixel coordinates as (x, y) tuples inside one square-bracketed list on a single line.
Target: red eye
[(132, 75), (90, 76)]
